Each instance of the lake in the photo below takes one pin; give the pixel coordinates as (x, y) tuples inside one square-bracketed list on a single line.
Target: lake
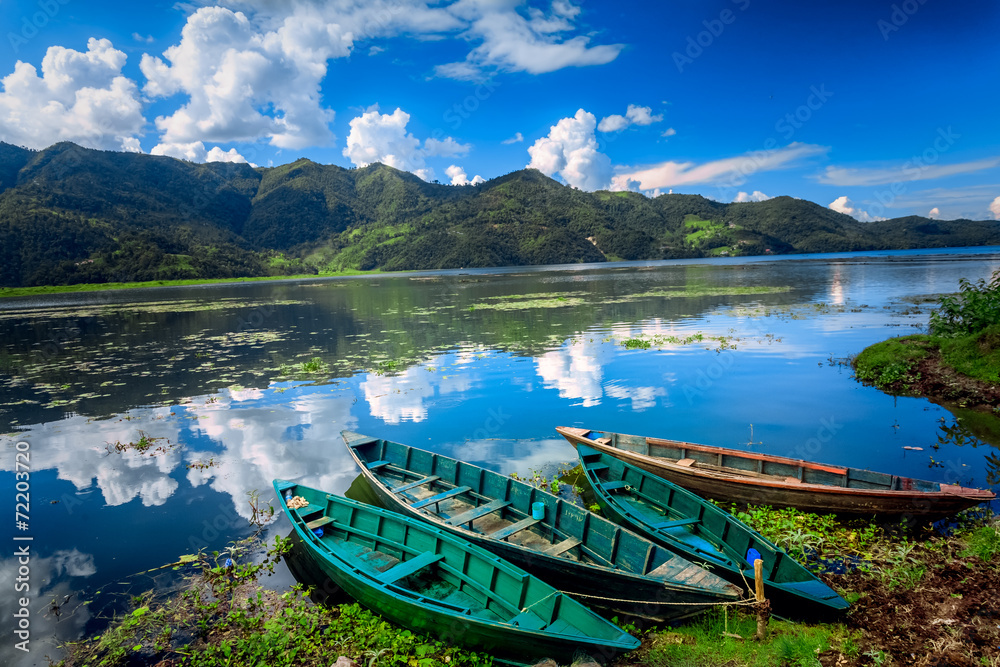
[(228, 387)]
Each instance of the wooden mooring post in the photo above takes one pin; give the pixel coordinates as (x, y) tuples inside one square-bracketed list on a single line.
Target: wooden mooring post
[(763, 605)]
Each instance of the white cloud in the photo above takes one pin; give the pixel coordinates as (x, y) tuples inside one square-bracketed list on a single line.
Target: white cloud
[(148, 39), (80, 97), (845, 205), (516, 139), (669, 132), (934, 213), (377, 137), (634, 115), (995, 208), (513, 42), (196, 152), (375, 50), (575, 371), (459, 177), (732, 170), (757, 195), (613, 123), (231, 71), (446, 147), (570, 150), (908, 171), (642, 115)]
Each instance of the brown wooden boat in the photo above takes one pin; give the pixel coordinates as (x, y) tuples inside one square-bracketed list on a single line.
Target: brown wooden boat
[(730, 475)]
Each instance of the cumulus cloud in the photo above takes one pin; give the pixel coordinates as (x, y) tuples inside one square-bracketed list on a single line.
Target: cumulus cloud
[(995, 208), (634, 115), (516, 139), (80, 97), (757, 195), (231, 71), (510, 41), (934, 213), (378, 137), (196, 152), (570, 150), (845, 205), (669, 132), (613, 123), (733, 170), (459, 177)]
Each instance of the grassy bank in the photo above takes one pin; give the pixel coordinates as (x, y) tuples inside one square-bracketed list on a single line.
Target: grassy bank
[(957, 360), (101, 287), (896, 364), (918, 598)]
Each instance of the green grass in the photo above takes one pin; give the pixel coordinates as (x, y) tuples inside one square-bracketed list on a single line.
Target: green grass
[(984, 543), (701, 643), (977, 356), (100, 287), (891, 361)]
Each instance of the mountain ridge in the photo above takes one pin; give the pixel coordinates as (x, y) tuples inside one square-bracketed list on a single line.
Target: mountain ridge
[(70, 214)]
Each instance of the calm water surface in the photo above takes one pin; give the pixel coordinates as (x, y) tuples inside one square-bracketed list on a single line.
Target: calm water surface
[(236, 385)]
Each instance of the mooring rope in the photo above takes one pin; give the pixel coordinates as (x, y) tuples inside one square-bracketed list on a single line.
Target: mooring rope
[(667, 604)]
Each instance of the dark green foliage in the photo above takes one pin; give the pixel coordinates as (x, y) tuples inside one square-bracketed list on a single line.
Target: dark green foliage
[(71, 215), (976, 307)]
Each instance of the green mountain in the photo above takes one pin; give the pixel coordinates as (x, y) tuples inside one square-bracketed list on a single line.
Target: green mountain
[(70, 215)]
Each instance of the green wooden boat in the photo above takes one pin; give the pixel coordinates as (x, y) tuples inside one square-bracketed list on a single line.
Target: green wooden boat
[(427, 580), (698, 530), (579, 552)]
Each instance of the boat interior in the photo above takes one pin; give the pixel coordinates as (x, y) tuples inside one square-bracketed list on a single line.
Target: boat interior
[(759, 466)]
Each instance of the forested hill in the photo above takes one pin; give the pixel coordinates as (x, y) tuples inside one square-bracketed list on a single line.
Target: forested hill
[(70, 215)]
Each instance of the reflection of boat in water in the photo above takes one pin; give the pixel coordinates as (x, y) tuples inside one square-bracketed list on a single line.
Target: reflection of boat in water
[(731, 475), (575, 550), (428, 580), (700, 531)]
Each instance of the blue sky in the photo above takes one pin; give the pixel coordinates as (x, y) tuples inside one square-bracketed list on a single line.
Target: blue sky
[(877, 109)]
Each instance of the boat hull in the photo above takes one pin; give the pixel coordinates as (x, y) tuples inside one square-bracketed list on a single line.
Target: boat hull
[(409, 609), (913, 500), (700, 531)]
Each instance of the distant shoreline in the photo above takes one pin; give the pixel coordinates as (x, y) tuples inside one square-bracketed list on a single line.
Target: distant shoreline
[(13, 292)]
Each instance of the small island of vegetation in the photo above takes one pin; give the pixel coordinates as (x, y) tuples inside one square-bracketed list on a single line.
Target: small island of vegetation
[(957, 361)]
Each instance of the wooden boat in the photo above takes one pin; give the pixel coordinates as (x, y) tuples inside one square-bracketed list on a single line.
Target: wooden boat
[(578, 552), (702, 532), (427, 580), (731, 475)]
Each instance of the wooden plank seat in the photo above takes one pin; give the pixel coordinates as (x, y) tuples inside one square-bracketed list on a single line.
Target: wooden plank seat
[(406, 568), (560, 548), (512, 529), (687, 463), (319, 523), (309, 509), (433, 500), (615, 485), (413, 485), (375, 465), (528, 620), (675, 523), (477, 512)]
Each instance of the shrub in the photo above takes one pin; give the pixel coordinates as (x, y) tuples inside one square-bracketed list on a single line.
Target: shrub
[(976, 307)]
